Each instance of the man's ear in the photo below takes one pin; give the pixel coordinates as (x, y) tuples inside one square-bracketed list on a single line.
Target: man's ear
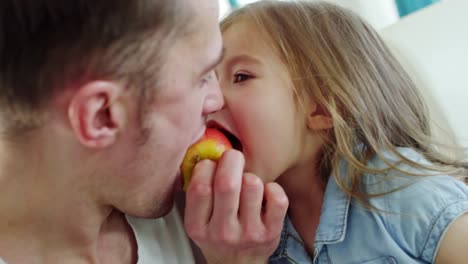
[(96, 113), (318, 118)]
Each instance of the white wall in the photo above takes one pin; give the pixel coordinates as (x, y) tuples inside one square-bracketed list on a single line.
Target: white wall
[(379, 13), (432, 46), (224, 8)]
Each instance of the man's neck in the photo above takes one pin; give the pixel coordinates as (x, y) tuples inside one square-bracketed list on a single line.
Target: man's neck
[(117, 242), (49, 221), (77, 237)]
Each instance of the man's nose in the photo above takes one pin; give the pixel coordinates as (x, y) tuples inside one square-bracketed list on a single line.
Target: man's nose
[(214, 99)]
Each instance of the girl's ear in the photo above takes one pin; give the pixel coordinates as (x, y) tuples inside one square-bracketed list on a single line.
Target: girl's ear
[(318, 118)]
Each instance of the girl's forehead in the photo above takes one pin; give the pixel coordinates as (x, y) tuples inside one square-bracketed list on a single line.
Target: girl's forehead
[(241, 27), (246, 36)]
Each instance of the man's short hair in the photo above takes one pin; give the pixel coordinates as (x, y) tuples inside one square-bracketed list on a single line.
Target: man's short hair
[(46, 45)]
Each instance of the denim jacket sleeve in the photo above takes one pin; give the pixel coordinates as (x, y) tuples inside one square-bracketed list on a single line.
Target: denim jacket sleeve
[(419, 214)]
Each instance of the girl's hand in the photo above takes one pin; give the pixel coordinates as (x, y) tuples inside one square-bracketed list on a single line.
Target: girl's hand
[(231, 215)]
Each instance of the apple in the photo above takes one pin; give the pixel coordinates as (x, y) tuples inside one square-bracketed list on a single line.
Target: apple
[(211, 146)]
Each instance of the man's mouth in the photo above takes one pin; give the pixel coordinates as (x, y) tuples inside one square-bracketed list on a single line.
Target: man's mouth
[(199, 136)]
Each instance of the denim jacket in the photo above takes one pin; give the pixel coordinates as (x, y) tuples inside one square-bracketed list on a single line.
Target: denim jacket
[(407, 229)]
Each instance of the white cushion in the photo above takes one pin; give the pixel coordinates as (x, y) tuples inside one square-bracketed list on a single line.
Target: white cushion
[(432, 45)]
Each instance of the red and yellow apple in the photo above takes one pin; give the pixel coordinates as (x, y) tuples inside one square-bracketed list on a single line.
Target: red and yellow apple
[(211, 146)]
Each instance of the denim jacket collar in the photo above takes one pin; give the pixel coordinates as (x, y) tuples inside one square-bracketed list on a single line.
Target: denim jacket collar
[(335, 206)]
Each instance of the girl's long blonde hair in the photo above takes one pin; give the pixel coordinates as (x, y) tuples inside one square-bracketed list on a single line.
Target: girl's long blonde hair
[(339, 61)]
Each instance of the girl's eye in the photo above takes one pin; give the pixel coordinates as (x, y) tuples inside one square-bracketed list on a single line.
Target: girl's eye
[(241, 77)]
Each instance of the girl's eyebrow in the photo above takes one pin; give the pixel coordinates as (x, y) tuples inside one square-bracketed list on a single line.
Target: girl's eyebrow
[(243, 58), (238, 59)]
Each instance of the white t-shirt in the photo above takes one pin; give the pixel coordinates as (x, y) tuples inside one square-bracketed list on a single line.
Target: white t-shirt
[(162, 240)]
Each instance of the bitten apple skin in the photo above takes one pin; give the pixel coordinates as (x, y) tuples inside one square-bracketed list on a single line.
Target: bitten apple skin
[(211, 146)]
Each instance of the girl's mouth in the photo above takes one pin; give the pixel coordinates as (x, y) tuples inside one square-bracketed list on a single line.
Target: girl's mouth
[(235, 142)]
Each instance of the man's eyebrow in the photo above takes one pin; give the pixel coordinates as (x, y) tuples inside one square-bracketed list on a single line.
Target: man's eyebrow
[(215, 63)]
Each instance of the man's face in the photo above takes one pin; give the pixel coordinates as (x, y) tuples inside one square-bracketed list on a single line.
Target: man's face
[(188, 90)]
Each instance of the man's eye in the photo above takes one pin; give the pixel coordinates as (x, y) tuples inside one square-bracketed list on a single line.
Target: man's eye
[(241, 77), (206, 79)]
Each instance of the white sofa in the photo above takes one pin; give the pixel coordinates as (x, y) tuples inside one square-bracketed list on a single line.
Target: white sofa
[(432, 45)]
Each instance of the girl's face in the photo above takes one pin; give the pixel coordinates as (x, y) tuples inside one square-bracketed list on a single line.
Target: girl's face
[(260, 108)]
